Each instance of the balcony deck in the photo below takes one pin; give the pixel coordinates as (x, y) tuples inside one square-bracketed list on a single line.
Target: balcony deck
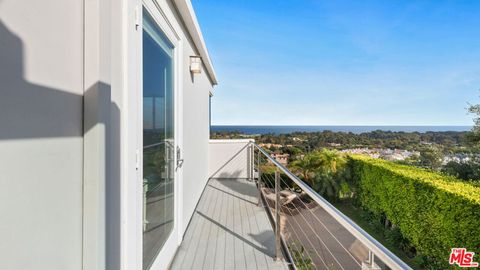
[(228, 230)]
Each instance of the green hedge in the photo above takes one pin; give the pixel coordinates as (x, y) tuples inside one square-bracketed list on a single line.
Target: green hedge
[(433, 211)]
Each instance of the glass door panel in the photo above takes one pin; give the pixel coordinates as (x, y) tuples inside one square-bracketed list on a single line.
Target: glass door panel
[(158, 140)]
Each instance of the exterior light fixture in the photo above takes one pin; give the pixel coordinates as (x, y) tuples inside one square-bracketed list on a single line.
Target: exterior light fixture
[(195, 64)]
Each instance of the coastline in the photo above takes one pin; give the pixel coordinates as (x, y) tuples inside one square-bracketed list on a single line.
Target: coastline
[(265, 129)]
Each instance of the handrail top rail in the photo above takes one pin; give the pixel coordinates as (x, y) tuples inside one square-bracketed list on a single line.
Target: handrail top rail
[(371, 243)]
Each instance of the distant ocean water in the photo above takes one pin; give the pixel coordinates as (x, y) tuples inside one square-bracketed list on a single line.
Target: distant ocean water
[(353, 129)]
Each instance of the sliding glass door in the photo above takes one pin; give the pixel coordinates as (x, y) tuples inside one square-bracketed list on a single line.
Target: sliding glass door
[(158, 140)]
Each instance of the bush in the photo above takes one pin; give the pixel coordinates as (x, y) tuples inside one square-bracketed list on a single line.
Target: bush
[(301, 258), (463, 170), (434, 212)]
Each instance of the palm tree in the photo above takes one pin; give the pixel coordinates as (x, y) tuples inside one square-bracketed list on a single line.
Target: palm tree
[(331, 160), (307, 166), (327, 185), (327, 181)]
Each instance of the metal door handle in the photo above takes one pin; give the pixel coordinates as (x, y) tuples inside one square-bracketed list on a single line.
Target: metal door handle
[(179, 159)]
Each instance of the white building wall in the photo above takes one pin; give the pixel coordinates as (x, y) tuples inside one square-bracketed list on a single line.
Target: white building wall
[(196, 129), (195, 141), (229, 158), (67, 174), (41, 129)]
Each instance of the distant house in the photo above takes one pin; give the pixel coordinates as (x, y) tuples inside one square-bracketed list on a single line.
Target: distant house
[(335, 144), (387, 154), (281, 158), (270, 145)]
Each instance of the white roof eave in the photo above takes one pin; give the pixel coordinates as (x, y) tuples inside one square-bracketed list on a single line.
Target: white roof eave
[(187, 13)]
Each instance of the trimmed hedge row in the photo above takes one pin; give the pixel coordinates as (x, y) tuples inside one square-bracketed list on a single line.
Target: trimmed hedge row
[(433, 211)]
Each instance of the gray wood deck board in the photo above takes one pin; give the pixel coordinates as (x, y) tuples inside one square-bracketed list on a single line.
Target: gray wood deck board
[(221, 236), (228, 230)]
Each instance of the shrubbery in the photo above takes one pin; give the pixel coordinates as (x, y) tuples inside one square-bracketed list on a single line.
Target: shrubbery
[(432, 211)]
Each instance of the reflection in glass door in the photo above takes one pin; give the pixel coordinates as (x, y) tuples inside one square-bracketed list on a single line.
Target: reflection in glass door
[(158, 140)]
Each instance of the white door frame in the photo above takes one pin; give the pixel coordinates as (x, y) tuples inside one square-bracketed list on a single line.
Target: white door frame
[(164, 258)]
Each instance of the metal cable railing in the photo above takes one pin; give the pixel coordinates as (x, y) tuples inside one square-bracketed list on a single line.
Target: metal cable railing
[(314, 233)]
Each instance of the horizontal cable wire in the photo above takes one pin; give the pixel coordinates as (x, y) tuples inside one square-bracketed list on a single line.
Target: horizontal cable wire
[(322, 257), (296, 235), (321, 223), (367, 240)]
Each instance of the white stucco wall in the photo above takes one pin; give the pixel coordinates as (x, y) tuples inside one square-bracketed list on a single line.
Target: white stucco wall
[(41, 144), (67, 175), (196, 131), (228, 158)]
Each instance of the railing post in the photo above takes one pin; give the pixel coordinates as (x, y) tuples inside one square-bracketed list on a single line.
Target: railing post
[(277, 215), (370, 263), (248, 162), (252, 161), (259, 180)]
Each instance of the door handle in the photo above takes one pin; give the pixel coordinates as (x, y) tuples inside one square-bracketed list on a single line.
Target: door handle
[(179, 157)]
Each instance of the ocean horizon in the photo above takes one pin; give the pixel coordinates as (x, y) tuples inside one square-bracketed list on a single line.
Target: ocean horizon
[(354, 129)]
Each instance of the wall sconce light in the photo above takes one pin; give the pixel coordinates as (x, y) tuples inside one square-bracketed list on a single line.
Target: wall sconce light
[(195, 64)]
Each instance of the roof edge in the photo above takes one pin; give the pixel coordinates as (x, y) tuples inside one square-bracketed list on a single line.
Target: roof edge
[(187, 13)]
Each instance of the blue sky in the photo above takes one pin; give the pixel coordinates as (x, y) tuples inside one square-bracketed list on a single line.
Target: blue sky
[(302, 62)]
